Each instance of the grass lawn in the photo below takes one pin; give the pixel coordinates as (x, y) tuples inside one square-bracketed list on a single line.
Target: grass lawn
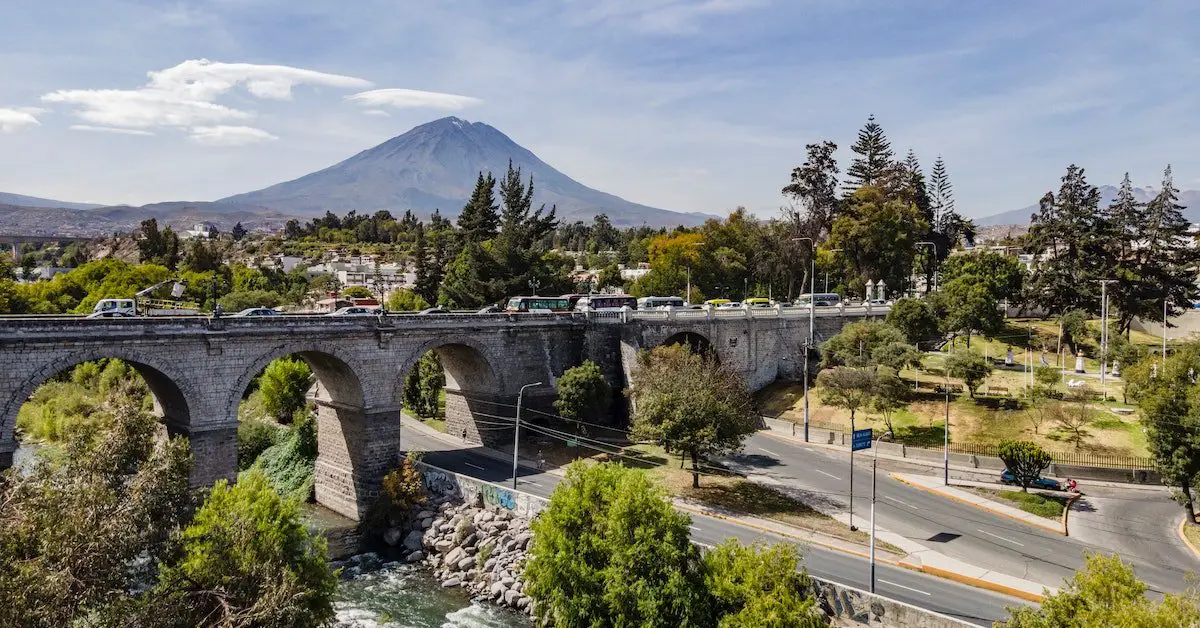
[(1033, 503), (1192, 532)]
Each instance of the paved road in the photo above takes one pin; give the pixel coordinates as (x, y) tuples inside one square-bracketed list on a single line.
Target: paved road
[(957, 530), (944, 596)]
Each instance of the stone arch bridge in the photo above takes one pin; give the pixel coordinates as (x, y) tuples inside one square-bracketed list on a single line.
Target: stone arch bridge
[(198, 370)]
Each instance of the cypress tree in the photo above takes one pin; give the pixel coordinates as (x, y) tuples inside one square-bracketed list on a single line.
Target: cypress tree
[(422, 282), (1070, 229), (814, 186), (480, 219), (875, 156), (1167, 257)]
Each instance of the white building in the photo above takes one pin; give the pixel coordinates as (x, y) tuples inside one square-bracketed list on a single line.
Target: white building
[(205, 230)]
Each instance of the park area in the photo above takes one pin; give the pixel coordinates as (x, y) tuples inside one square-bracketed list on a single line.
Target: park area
[(1082, 421)]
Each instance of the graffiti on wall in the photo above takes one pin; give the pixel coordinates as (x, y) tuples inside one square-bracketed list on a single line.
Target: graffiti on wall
[(468, 489)]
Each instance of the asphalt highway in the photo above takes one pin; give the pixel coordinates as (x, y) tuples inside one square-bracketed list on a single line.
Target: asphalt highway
[(954, 529), (944, 596)]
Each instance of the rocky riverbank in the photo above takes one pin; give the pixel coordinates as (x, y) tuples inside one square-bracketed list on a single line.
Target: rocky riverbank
[(469, 546)]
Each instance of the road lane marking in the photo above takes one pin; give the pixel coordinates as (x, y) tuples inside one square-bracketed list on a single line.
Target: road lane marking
[(474, 466), (694, 528), (900, 502), (1001, 538), (829, 474), (904, 587), (766, 451), (529, 482), (704, 545)]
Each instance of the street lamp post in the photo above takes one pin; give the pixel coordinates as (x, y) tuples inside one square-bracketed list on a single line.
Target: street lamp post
[(517, 433), (874, 464), (946, 428), (533, 285), (812, 308)]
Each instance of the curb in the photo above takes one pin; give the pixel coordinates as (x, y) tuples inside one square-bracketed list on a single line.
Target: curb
[(994, 511), (747, 524), (981, 584), (925, 569), (1074, 497), (1186, 540)]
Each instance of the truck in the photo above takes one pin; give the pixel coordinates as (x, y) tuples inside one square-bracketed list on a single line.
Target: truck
[(139, 305)]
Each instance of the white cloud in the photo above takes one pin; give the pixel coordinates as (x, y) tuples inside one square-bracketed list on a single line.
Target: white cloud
[(184, 97), (202, 79), (222, 135), (108, 129), (377, 112), (14, 119), (412, 98)]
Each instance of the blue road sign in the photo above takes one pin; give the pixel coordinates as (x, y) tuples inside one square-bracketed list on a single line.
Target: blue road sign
[(861, 440)]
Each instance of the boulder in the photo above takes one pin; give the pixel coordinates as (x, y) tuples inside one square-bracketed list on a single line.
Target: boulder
[(412, 542), (427, 523), (510, 596), (392, 536), (415, 557), (497, 590), (443, 546), (451, 582), (425, 514), (466, 563), (455, 555)]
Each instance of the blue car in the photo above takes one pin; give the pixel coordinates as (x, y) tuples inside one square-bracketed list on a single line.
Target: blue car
[(1043, 483)]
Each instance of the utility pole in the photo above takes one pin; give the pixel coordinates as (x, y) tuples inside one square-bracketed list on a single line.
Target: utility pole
[(517, 433), (946, 429), (1164, 331), (812, 312), (1104, 334), (852, 528), (874, 465)]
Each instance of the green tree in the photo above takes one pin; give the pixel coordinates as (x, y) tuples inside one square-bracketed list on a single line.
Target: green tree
[(405, 300), (759, 586), (896, 356), (583, 394), (878, 236), (969, 307), (814, 186), (238, 232), (1169, 400), (246, 560), (874, 156), (78, 529), (1069, 231), (201, 256), (427, 279), (283, 385), (480, 219), (1002, 275), (915, 318), (357, 292), (290, 463), (1073, 326), (689, 403), (971, 367), (157, 247), (1025, 460), (891, 394), (856, 344), (848, 388), (424, 385), (1106, 592), (609, 550)]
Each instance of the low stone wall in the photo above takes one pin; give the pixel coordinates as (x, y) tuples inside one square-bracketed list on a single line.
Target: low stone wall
[(440, 482), (847, 606)]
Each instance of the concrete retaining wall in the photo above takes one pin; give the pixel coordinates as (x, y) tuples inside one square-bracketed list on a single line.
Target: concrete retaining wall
[(850, 606), (442, 482)]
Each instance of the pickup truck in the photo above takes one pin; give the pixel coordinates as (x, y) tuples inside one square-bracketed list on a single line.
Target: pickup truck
[(142, 307)]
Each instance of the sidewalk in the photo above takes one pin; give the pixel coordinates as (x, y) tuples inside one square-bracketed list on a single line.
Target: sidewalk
[(934, 485)]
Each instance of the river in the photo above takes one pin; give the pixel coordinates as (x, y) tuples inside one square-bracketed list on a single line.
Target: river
[(393, 595)]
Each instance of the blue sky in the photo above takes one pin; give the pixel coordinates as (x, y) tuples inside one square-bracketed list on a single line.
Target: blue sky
[(690, 105)]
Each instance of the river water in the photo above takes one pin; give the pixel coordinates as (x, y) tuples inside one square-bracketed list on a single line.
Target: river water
[(393, 595)]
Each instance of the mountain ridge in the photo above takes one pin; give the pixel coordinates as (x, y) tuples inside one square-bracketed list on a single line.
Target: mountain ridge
[(434, 166), (21, 200), (1190, 199)]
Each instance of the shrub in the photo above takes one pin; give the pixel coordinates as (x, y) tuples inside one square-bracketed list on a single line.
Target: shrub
[(289, 464), (283, 385), (254, 437)]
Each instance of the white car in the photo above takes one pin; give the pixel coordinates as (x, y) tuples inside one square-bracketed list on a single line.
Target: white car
[(257, 311), (355, 310)]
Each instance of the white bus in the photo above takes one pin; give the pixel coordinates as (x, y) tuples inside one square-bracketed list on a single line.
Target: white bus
[(657, 303), (823, 299)]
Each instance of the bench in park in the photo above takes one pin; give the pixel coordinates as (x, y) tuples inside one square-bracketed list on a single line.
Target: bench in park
[(997, 391)]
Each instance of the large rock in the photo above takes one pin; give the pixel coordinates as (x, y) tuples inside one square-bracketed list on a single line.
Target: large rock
[(443, 546), (425, 514), (466, 563), (455, 555), (392, 536), (412, 542), (510, 596), (415, 557), (451, 582)]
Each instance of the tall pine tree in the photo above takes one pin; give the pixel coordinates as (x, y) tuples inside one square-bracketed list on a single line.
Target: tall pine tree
[(480, 218), (1124, 219), (424, 282), (1167, 255), (874, 157), (1069, 231)]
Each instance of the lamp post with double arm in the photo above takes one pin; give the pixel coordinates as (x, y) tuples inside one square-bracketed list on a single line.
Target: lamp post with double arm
[(812, 308)]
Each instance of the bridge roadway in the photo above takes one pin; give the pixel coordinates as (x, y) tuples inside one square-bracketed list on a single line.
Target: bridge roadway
[(199, 369), (969, 604)]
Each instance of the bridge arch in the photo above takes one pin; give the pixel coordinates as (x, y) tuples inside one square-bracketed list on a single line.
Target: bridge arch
[(358, 440), (695, 341), (174, 396), (475, 386)]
